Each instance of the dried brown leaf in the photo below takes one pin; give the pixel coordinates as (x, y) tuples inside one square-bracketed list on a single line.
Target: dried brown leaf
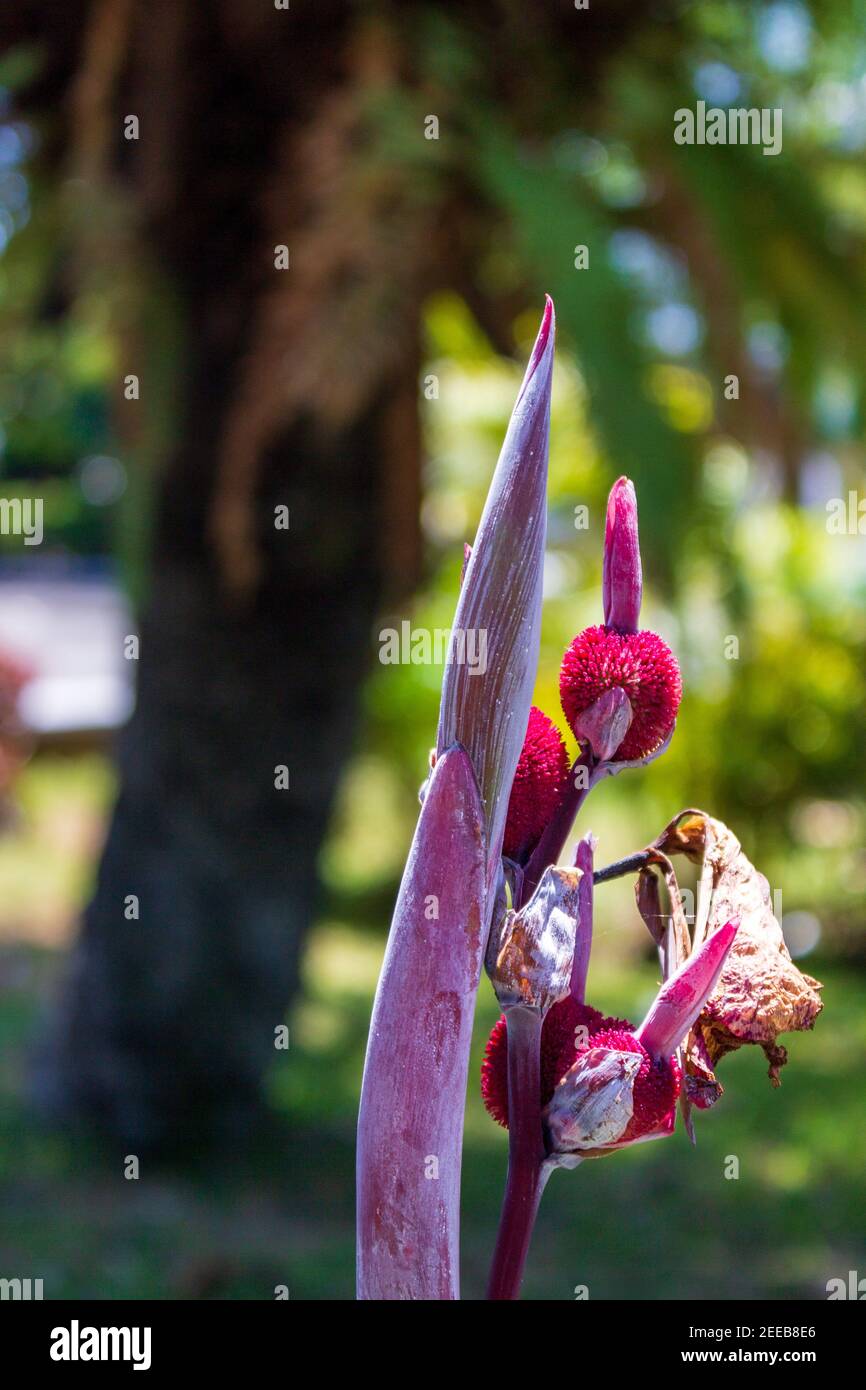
[(760, 993)]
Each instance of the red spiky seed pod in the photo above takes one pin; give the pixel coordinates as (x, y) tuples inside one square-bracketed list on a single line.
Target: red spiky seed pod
[(541, 774), (559, 1047), (656, 1086), (640, 663)]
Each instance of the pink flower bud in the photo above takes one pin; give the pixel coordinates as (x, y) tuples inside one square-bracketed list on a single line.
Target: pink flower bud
[(682, 997), (621, 582)]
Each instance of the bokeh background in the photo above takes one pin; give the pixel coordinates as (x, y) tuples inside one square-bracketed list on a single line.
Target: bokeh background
[(366, 389)]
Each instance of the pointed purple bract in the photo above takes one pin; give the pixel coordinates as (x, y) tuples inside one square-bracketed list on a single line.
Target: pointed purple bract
[(583, 860), (622, 580), (501, 598), (681, 998), (410, 1126)]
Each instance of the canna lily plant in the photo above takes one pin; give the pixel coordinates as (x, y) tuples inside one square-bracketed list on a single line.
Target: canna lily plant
[(483, 887)]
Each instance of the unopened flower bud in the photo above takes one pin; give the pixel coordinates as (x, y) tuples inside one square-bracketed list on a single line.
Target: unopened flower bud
[(622, 581), (615, 679), (682, 997), (571, 1029)]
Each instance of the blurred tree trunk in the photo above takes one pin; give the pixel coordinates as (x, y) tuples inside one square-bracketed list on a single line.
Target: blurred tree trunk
[(257, 128), (167, 1021), (290, 389)]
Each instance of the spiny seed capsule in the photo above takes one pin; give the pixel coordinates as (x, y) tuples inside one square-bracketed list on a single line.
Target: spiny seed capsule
[(541, 774), (569, 1029), (644, 666)]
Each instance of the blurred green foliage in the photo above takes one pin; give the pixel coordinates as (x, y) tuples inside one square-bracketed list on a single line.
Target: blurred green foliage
[(701, 264), (765, 611), (697, 256)]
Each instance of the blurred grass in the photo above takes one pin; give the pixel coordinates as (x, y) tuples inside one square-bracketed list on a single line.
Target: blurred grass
[(49, 849), (659, 1222)]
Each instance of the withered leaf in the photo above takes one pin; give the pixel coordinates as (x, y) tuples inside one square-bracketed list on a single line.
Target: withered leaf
[(701, 1087), (760, 993)]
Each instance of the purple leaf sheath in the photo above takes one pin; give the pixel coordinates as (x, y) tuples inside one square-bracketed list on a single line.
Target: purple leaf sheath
[(501, 598), (410, 1128)]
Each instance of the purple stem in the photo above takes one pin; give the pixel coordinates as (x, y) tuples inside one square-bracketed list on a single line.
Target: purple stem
[(527, 1172), (583, 940), (556, 832), (414, 1090), (630, 865)]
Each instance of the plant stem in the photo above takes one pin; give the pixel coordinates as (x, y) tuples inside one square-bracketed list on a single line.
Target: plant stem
[(527, 1172), (629, 865), (583, 936), (555, 834)]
